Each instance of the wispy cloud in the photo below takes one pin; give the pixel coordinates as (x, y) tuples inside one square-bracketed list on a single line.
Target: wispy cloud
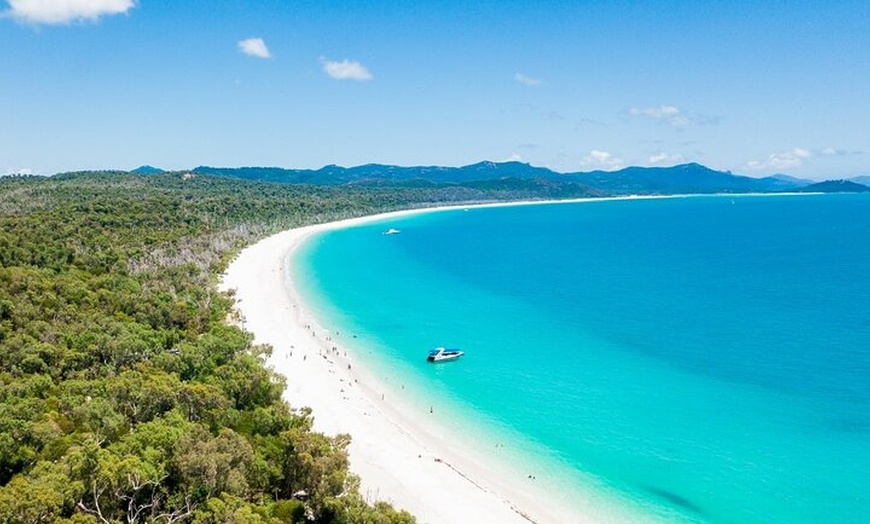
[(528, 80), (660, 112), (254, 47), (783, 160), (346, 70), (605, 160), (554, 116), (665, 158), (797, 156), (833, 151), (53, 12), (672, 115)]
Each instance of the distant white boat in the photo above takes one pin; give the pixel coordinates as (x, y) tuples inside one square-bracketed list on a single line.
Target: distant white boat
[(392, 231), (443, 355)]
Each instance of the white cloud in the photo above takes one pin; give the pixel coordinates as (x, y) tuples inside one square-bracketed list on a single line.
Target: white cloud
[(784, 160), (833, 151), (346, 70), (657, 112), (605, 160), (65, 11), (797, 156), (513, 158), (671, 115), (665, 158), (527, 80), (254, 47)]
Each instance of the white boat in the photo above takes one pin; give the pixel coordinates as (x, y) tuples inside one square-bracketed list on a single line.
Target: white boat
[(392, 231), (443, 355)]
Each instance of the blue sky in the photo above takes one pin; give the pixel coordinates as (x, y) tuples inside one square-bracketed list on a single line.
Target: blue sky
[(752, 87)]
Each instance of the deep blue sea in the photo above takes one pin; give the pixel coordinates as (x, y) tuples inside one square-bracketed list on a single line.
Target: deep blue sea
[(702, 359)]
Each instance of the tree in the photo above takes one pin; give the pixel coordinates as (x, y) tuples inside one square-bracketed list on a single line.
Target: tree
[(209, 466), (143, 393), (40, 497), (125, 396)]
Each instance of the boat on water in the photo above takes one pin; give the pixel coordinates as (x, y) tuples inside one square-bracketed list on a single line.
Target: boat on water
[(392, 231), (443, 355)]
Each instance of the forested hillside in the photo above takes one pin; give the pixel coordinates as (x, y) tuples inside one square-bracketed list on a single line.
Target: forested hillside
[(125, 393)]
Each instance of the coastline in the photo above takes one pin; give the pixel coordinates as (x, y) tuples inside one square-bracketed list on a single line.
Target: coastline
[(400, 457)]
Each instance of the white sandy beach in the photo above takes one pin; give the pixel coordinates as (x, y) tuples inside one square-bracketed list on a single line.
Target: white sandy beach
[(401, 455)]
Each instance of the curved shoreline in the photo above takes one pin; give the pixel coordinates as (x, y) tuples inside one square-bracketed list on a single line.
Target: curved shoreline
[(401, 455), (401, 458)]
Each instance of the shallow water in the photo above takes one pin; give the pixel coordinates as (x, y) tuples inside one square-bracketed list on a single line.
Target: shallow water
[(705, 359)]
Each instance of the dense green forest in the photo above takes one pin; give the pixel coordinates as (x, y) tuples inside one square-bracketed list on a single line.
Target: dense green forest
[(125, 393)]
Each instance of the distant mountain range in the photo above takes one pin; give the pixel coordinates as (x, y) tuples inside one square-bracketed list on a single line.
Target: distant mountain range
[(680, 179)]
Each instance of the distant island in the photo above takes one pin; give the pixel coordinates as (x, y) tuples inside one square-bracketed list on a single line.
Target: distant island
[(689, 178), (836, 186)]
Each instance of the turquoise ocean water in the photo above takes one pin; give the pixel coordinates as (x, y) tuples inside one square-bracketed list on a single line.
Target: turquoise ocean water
[(701, 359)]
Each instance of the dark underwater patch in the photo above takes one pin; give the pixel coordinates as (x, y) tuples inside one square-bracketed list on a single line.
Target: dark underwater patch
[(675, 499)]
